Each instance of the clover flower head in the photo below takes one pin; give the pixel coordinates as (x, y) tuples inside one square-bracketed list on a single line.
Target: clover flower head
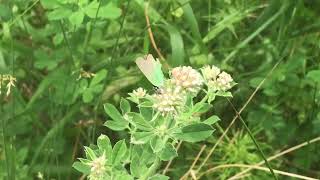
[(224, 81), (187, 78), (139, 93), (215, 79), (168, 100), (210, 73), (98, 169)]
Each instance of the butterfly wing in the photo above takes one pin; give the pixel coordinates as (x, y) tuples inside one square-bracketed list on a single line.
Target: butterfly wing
[(151, 69)]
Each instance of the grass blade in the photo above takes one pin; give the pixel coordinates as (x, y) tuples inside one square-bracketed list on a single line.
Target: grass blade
[(177, 47)]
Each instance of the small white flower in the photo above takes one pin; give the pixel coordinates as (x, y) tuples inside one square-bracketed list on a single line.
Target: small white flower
[(186, 78), (224, 81), (215, 79), (139, 93), (168, 100), (210, 73), (98, 169), (9, 81)]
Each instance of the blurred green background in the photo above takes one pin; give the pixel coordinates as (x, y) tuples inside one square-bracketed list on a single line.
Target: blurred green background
[(52, 46)]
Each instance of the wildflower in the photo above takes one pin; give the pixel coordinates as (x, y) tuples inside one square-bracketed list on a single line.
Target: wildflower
[(10, 82), (210, 73), (224, 81), (215, 79), (168, 99), (85, 74), (98, 169), (139, 93), (187, 78)]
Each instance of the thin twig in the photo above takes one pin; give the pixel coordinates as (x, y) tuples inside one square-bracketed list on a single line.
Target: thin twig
[(194, 163), (146, 7), (278, 155), (258, 168)]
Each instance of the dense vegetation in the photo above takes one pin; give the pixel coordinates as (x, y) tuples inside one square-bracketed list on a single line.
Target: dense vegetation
[(61, 61)]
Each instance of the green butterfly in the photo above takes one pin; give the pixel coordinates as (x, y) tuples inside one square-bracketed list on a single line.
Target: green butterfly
[(151, 68)]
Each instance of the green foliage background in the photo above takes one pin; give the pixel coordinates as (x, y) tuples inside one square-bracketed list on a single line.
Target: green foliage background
[(51, 113)]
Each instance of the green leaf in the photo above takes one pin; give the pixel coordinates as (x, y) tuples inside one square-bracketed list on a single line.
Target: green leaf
[(90, 153), (201, 107), (191, 20), (211, 120), (59, 13), (76, 18), (43, 60), (116, 125), (91, 9), (57, 39), (125, 106), (110, 11), (314, 75), (227, 21), (118, 152), (168, 153), (224, 94), (141, 137), (98, 77), (177, 47), (104, 144), (50, 4), (137, 168), (87, 96), (195, 132), (157, 144), (83, 168), (123, 176), (113, 112), (159, 177), (140, 122), (147, 112), (84, 161)]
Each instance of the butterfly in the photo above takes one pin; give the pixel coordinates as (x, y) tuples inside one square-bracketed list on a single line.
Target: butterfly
[(151, 69)]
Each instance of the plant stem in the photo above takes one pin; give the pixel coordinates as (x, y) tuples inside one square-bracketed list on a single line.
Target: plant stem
[(258, 147), (153, 168), (254, 141)]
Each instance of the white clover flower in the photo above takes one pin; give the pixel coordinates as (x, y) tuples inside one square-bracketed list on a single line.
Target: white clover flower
[(98, 169), (210, 73), (168, 100), (187, 78), (139, 93), (224, 81), (215, 79)]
